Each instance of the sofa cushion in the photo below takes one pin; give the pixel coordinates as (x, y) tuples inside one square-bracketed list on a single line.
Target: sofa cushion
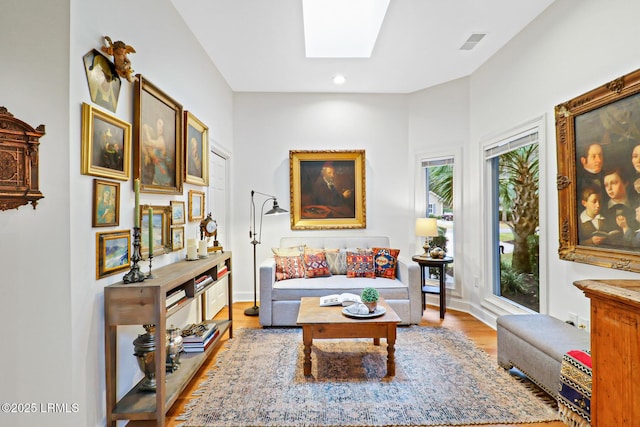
[(360, 264), (289, 267), (288, 250), (295, 289), (315, 265), (337, 261), (385, 261)]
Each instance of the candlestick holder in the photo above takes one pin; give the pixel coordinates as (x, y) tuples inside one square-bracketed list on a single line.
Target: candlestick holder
[(150, 274), (135, 275)]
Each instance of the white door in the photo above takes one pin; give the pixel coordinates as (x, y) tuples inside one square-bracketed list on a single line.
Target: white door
[(217, 295)]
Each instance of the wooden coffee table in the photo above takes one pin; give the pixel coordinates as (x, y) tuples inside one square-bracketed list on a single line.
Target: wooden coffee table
[(329, 322)]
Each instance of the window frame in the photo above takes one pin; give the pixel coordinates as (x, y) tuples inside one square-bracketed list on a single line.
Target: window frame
[(491, 302)]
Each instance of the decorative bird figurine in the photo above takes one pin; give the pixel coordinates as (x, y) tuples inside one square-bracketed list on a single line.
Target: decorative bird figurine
[(119, 50)]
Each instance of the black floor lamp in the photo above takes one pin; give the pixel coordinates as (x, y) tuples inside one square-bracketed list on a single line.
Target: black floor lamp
[(275, 210)]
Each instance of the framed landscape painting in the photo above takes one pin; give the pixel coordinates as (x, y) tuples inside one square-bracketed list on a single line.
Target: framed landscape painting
[(177, 212), (106, 144), (112, 252), (327, 189), (196, 205), (157, 154), (598, 148), (155, 231)]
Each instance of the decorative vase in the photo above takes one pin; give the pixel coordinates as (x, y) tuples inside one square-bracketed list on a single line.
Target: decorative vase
[(174, 347), (144, 349), (437, 253), (371, 306)]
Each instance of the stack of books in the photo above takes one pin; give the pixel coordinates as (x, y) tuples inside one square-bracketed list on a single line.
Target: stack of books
[(203, 281), (222, 270), (175, 297), (197, 338)]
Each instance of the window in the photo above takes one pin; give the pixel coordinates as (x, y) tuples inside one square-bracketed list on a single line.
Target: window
[(512, 166), (439, 176)]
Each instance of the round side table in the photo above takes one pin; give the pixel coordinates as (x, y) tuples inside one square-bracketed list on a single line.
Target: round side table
[(425, 262)]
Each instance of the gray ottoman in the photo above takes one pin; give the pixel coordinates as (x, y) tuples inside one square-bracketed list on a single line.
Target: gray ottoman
[(535, 344)]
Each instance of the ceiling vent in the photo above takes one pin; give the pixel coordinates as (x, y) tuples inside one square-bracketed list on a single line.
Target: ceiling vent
[(472, 41)]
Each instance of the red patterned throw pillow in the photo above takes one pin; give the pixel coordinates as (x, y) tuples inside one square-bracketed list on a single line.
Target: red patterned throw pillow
[(316, 265), (289, 267), (385, 261), (360, 264)]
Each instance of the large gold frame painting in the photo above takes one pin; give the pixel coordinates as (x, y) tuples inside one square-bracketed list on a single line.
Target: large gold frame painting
[(598, 147), (327, 189)]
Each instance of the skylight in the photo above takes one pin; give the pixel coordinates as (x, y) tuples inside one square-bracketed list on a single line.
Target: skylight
[(342, 28)]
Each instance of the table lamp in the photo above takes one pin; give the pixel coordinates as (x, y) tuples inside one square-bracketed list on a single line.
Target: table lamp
[(427, 228)]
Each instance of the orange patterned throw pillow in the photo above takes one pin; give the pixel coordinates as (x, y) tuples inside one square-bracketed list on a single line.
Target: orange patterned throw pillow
[(289, 267), (385, 261), (316, 265), (360, 264)]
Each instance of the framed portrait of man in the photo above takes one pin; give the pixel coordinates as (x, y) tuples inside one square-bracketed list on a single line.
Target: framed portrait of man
[(327, 189)]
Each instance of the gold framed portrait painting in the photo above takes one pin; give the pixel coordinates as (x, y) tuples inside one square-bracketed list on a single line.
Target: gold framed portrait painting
[(157, 154), (106, 144), (327, 189), (196, 151), (106, 203), (598, 148)]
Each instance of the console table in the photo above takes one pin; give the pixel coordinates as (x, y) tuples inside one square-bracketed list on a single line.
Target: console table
[(145, 303), (426, 262)]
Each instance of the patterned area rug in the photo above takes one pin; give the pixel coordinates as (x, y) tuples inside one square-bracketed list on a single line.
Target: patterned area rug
[(442, 378)]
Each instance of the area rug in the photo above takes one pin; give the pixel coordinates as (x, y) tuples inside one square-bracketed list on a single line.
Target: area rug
[(441, 378)]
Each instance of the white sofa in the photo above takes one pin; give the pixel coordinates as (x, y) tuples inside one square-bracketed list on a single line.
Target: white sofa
[(280, 300)]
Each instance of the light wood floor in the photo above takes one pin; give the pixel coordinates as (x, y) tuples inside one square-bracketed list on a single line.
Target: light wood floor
[(481, 334)]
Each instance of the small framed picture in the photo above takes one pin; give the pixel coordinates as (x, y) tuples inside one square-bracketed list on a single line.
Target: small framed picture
[(177, 238), (112, 252), (106, 203), (196, 205), (106, 144), (196, 150), (154, 229), (177, 212)]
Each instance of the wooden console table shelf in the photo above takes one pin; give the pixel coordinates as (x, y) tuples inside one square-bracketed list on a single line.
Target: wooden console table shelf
[(615, 351), (145, 303)]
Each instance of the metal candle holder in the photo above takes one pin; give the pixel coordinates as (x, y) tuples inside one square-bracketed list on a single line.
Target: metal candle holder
[(149, 274), (135, 275)]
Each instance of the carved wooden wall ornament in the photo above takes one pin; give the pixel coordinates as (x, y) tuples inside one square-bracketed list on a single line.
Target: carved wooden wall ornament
[(19, 178)]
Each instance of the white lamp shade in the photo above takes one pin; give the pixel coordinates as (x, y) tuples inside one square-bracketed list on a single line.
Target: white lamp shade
[(427, 227)]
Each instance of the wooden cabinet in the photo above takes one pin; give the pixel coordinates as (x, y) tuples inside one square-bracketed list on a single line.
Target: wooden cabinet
[(145, 303), (615, 351)]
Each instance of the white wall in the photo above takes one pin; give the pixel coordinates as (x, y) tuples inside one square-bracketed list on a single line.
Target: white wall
[(573, 47), (52, 306), (267, 126), (35, 304)]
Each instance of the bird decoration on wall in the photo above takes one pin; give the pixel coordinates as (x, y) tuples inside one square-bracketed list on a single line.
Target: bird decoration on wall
[(119, 50)]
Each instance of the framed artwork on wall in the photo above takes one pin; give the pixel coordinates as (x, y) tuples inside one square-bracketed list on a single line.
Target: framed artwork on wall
[(106, 203), (327, 189), (196, 150), (598, 148), (103, 80), (177, 212), (177, 238), (106, 144), (155, 226), (157, 153), (196, 205), (112, 252)]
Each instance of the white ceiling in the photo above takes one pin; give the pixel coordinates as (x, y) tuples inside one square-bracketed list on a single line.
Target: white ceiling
[(258, 45)]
